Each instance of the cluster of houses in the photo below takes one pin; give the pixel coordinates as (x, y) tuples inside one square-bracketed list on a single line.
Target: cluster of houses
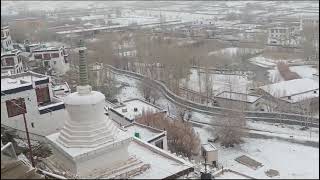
[(288, 96), (31, 56)]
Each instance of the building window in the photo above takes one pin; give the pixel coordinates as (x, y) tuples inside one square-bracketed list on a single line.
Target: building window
[(54, 55), (159, 144), (46, 56), (38, 56), (43, 95), (46, 63), (32, 125), (54, 62), (16, 107), (10, 61)]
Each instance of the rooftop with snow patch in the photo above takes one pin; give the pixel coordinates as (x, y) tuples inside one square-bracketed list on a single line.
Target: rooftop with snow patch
[(296, 89), (20, 80), (135, 107), (238, 96), (146, 133)]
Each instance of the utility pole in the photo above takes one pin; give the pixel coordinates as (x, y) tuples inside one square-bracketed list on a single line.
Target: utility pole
[(27, 132), (28, 138)]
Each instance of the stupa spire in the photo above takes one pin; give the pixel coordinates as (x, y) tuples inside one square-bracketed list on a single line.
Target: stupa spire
[(83, 69)]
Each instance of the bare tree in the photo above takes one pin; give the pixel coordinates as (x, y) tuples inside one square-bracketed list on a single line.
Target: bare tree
[(182, 139), (148, 90), (232, 128), (310, 41)]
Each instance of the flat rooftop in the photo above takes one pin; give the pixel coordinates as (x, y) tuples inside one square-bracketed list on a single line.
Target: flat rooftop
[(20, 80), (146, 133), (128, 108)]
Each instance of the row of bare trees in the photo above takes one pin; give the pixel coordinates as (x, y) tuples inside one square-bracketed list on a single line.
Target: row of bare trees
[(182, 139)]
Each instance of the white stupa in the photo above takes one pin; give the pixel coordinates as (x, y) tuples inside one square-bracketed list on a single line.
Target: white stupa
[(89, 142)]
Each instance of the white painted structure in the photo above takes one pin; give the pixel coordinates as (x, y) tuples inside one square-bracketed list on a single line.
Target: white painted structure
[(42, 119), (52, 57), (90, 145), (11, 62), (210, 153), (148, 134)]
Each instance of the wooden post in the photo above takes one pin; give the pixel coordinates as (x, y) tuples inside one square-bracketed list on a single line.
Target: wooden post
[(28, 138)]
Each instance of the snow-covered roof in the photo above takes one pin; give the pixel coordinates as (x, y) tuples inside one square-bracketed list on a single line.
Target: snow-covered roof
[(146, 133), (20, 80), (13, 52), (45, 48), (162, 164), (209, 147), (238, 96), (296, 89), (128, 108)]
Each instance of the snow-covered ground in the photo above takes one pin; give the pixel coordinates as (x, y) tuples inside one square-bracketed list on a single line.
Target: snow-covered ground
[(220, 82), (304, 71), (290, 159), (128, 92), (234, 51), (267, 62), (263, 62)]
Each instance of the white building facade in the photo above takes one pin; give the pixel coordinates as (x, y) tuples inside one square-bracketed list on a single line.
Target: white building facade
[(11, 62), (52, 58), (30, 93), (284, 36)]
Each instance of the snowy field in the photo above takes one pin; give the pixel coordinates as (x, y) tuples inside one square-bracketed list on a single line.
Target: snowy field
[(128, 92), (269, 62), (291, 160), (234, 51), (263, 62), (220, 82)]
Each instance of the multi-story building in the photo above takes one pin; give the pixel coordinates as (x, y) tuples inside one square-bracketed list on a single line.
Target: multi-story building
[(125, 49), (6, 42), (31, 94), (284, 36), (11, 62), (52, 58), (314, 21)]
